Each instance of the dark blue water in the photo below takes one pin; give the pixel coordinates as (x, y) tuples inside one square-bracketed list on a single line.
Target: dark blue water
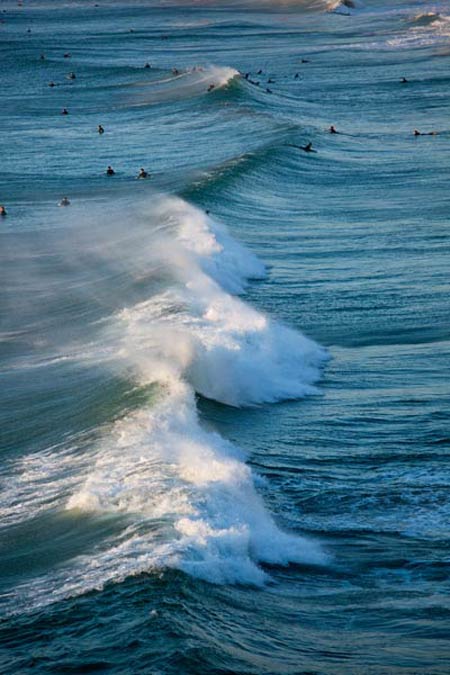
[(188, 483)]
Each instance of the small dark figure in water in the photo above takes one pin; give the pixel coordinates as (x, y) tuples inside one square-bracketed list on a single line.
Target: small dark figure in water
[(3, 212), (175, 71), (404, 80), (142, 173), (332, 130), (427, 133), (207, 212), (42, 57), (296, 76), (71, 76), (247, 75), (51, 84), (270, 81), (259, 72), (305, 60), (100, 129), (67, 55), (64, 111), (306, 148), (110, 171), (211, 87), (269, 91), (147, 65), (65, 201)]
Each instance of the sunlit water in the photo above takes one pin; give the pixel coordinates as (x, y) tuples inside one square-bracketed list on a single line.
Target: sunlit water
[(225, 388)]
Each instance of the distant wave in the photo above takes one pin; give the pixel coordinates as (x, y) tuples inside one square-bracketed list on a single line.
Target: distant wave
[(181, 84), (426, 18), (337, 6)]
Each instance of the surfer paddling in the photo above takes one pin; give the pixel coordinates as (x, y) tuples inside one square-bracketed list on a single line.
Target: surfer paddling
[(306, 148)]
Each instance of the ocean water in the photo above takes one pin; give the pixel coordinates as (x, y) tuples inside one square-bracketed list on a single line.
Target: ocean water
[(224, 401)]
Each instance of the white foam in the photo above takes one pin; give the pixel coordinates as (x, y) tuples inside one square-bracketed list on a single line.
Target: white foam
[(159, 465)]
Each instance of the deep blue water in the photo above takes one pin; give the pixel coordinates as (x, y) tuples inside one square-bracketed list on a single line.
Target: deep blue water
[(188, 484)]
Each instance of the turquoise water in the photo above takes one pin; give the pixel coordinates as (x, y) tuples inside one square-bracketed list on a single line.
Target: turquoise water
[(225, 388)]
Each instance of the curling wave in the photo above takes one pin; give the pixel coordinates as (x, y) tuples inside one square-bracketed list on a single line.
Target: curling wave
[(159, 463)]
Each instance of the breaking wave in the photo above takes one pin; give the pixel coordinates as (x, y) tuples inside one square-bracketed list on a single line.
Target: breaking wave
[(189, 498)]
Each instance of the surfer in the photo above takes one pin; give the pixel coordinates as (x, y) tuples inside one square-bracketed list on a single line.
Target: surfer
[(110, 171), (211, 87), (147, 65), (296, 76), (65, 201), (100, 129), (142, 173), (71, 76), (67, 55), (3, 212), (269, 91), (306, 148), (427, 133), (51, 84), (404, 80), (64, 111), (332, 130)]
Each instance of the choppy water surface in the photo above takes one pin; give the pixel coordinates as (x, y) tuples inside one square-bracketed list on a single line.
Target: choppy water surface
[(225, 388)]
